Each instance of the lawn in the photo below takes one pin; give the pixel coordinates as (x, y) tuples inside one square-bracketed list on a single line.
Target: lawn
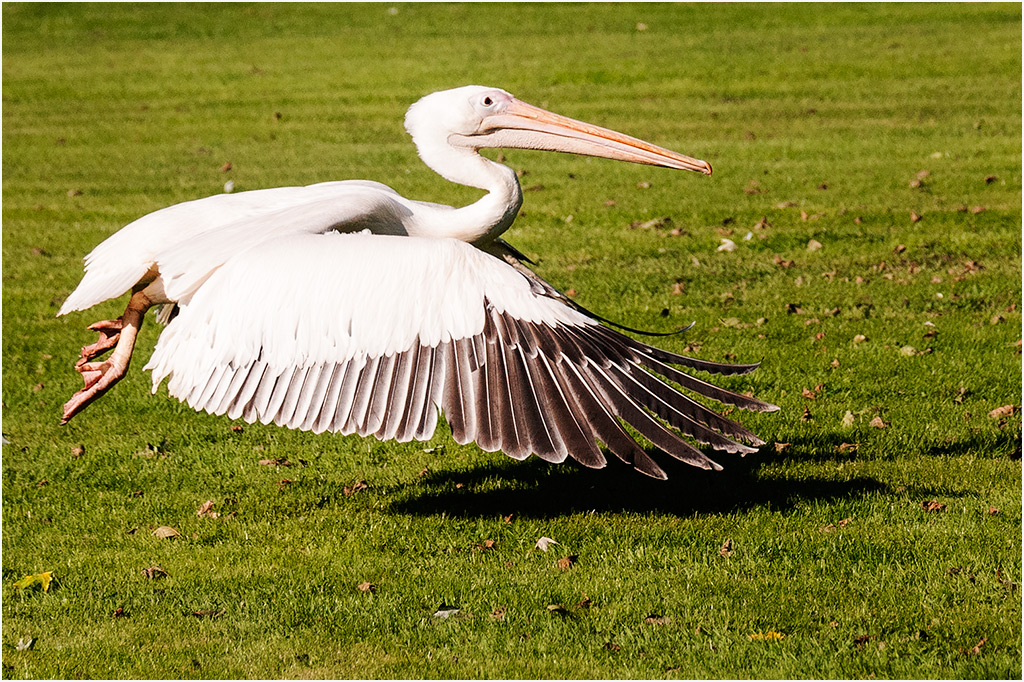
[(868, 171)]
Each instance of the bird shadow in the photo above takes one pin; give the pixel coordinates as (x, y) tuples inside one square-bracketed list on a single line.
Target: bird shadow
[(536, 489)]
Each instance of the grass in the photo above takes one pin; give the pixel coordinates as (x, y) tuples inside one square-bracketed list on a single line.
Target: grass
[(825, 112)]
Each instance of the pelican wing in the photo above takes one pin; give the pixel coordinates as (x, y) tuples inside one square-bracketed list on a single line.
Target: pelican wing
[(185, 243), (372, 334)]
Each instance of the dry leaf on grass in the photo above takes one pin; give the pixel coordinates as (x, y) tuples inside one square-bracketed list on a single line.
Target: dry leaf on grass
[(726, 549), (355, 487), (444, 611), (366, 587), (933, 506), (544, 543), (976, 649), (154, 572), (206, 510), (877, 423), (1004, 411), (655, 619), (567, 562), (166, 532)]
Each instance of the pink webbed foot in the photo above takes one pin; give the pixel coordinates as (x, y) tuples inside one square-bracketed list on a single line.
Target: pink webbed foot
[(99, 378), (110, 333)]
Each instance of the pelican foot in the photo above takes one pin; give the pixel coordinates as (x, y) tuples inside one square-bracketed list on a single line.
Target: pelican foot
[(99, 378), (110, 333)]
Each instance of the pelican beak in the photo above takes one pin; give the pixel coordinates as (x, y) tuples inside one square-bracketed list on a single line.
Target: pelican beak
[(523, 126)]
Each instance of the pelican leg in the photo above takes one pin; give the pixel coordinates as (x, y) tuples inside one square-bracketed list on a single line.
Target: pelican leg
[(118, 334)]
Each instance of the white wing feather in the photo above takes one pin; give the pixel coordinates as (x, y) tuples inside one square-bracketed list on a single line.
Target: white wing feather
[(373, 334), (186, 242)]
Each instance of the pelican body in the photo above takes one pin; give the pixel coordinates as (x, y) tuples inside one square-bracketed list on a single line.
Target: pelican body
[(345, 307)]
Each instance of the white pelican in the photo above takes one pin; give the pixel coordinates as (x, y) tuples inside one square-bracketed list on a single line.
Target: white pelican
[(345, 307)]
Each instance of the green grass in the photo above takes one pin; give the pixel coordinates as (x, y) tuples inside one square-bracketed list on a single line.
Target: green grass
[(110, 112)]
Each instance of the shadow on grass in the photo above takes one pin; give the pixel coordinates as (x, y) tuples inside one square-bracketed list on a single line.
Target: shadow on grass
[(536, 489)]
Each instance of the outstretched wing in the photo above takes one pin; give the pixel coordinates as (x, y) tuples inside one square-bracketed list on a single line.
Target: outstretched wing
[(371, 334)]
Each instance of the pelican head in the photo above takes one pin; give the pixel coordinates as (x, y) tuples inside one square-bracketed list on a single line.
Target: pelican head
[(476, 117)]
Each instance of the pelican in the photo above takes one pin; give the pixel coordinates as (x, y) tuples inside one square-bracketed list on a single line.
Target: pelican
[(345, 307)]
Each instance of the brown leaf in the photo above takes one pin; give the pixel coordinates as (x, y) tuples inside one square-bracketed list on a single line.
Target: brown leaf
[(783, 263), (900, 248), (155, 572), (498, 614), (915, 217), (235, 428), (726, 549), (877, 423), (814, 245), (933, 506), (508, 519), (977, 209), (366, 587), (77, 451), (809, 394), (166, 532), (806, 416), (226, 167), (993, 511), (355, 487), (847, 447), (863, 639), (989, 179), (782, 447), (119, 613), (567, 562), (655, 619), (583, 603), (485, 545), (207, 510), (976, 649), (558, 608), (1004, 411)]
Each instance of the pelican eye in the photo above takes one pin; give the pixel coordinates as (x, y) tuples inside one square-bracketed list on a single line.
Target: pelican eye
[(488, 101)]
